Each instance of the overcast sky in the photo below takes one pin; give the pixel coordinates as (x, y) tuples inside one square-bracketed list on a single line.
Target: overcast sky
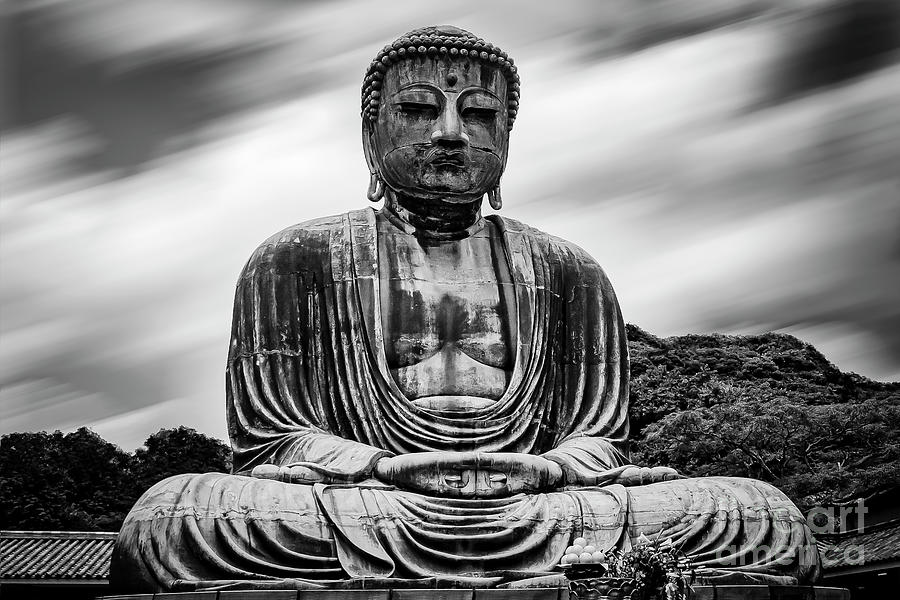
[(148, 147)]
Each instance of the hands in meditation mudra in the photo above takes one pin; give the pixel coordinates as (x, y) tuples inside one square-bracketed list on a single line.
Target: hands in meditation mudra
[(472, 474), (422, 396)]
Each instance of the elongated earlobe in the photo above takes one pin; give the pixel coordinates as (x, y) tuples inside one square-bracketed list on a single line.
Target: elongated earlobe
[(376, 188), (494, 198)]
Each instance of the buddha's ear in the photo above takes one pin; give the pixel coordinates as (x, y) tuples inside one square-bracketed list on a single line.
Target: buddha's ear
[(368, 142), (376, 183)]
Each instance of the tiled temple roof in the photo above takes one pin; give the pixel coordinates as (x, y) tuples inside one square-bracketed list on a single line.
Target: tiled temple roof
[(58, 555), (876, 543)]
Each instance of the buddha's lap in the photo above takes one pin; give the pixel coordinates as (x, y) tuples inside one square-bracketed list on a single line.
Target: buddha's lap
[(224, 527), (666, 508)]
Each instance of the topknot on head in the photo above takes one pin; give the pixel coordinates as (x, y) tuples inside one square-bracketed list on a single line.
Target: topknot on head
[(438, 40)]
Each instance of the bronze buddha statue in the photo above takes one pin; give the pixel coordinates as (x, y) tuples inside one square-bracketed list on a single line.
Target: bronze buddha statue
[(420, 395)]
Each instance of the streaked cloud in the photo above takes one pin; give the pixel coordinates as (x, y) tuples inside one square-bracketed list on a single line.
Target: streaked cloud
[(171, 147)]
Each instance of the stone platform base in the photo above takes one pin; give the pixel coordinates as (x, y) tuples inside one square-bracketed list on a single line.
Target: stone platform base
[(701, 592)]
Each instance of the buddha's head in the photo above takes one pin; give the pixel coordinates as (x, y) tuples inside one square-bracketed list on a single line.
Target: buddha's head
[(437, 108)]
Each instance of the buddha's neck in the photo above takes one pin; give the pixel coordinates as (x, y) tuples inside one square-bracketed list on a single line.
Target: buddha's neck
[(434, 219)]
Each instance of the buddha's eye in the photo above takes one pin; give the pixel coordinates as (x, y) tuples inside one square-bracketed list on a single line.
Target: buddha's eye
[(479, 112), (418, 109)]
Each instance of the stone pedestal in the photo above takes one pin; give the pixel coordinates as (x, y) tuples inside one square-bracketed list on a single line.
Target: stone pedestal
[(769, 592), (701, 592)]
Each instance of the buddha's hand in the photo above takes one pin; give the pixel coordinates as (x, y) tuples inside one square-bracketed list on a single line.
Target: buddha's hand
[(300, 472), (469, 474), (632, 475)]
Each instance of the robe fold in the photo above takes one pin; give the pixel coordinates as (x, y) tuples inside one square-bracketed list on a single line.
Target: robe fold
[(308, 379), (308, 384)]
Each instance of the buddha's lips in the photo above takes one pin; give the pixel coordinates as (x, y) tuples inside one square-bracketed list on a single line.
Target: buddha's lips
[(443, 158)]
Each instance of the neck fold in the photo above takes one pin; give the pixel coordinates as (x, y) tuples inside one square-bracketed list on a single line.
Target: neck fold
[(433, 219)]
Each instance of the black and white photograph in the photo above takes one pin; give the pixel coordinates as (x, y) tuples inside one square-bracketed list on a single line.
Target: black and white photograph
[(424, 300)]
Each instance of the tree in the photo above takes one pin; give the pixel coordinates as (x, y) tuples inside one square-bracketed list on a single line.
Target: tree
[(181, 450), (768, 407), (56, 481), (79, 481)]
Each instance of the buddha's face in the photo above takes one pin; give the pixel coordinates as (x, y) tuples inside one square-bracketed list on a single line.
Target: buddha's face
[(441, 132)]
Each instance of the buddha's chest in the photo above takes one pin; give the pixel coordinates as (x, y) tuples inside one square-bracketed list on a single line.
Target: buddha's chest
[(445, 315), (421, 318)]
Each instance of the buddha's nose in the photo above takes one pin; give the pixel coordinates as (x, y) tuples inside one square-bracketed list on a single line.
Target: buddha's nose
[(450, 130)]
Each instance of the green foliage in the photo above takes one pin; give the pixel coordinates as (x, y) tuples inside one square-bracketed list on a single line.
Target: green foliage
[(52, 481), (655, 566), (79, 481), (768, 407), (181, 450)]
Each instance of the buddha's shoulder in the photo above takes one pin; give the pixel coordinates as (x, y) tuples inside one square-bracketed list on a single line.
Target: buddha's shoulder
[(319, 230), (568, 255), (309, 241)]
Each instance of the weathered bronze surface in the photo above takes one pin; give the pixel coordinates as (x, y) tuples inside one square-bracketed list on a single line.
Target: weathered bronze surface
[(419, 396)]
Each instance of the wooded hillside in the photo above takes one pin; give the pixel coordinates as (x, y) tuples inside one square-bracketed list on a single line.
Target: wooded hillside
[(766, 406)]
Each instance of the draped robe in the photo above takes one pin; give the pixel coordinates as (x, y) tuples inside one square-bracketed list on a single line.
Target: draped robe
[(308, 384)]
